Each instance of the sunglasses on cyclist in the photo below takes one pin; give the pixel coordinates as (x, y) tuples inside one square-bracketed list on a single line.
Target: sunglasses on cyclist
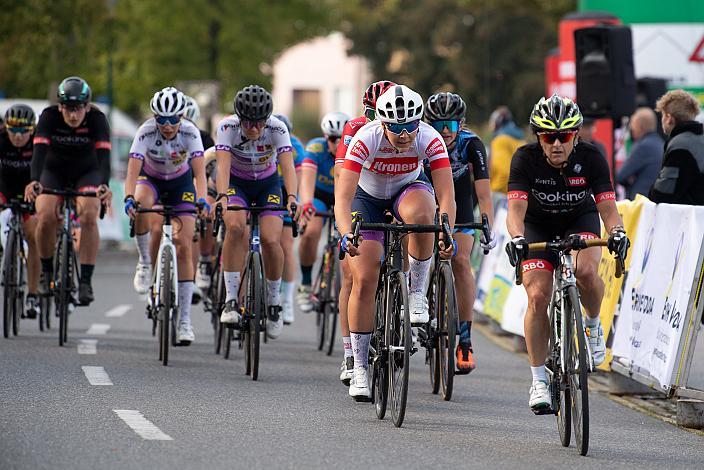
[(409, 127), (550, 137), (370, 113), (73, 108), (250, 124), (20, 130), (170, 120), (452, 126)]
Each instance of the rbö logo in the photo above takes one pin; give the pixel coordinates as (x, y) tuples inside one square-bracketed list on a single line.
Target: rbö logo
[(537, 264), (577, 181)]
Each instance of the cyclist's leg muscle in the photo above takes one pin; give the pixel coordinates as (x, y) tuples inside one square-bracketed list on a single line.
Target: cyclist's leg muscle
[(345, 290), (33, 265), (416, 205), (88, 210), (538, 285), (365, 274), (235, 243), (464, 279), (184, 227), (270, 227), (46, 207), (308, 248)]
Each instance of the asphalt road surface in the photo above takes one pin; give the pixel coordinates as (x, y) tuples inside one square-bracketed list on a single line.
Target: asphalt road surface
[(105, 401)]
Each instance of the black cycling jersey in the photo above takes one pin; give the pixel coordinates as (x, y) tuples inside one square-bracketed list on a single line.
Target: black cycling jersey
[(61, 149), (14, 167), (206, 139), (553, 194)]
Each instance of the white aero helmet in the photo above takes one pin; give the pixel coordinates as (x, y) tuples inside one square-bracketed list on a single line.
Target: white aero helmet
[(399, 105), (191, 111), (333, 123), (168, 102)]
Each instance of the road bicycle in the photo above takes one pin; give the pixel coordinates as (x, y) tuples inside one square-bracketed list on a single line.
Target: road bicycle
[(326, 288), (14, 268), (569, 358)]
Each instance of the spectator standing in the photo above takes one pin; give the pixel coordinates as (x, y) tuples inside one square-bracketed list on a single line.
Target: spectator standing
[(641, 168), (506, 139), (586, 133), (681, 178)]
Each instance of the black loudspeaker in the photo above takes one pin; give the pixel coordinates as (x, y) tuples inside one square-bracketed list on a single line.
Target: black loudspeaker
[(606, 83), (650, 90)]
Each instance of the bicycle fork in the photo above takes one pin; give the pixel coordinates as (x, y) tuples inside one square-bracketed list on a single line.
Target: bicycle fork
[(167, 244)]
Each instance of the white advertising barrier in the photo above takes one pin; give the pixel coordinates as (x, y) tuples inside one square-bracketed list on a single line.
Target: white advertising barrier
[(657, 292), (515, 311), (489, 262)]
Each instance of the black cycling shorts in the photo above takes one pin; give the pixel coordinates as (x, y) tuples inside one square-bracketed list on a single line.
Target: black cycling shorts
[(179, 193), (260, 193), (69, 178), (586, 224)]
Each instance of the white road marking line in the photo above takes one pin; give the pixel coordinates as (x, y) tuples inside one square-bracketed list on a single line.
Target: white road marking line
[(96, 375), (98, 329), (87, 346), (118, 311), (142, 426)]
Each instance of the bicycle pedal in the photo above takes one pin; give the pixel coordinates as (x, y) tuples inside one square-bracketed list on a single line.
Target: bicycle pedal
[(463, 371), (413, 350), (183, 343), (544, 410), (362, 399)]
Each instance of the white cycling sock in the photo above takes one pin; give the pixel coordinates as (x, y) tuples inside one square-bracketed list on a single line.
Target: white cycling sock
[(232, 284), (419, 273), (273, 292), (288, 289), (539, 374), (185, 292), (347, 344), (591, 322), (143, 248), (360, 348)]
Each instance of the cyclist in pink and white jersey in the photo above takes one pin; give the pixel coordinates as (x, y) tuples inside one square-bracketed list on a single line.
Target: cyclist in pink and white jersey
[(383, 172), (249, 146)]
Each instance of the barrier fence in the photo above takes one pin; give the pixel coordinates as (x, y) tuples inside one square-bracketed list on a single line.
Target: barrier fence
[(651, 316)]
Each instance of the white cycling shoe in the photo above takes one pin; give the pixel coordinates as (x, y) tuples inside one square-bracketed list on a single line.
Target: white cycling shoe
[(595, 336), (274, 322), (303, 298), (287, 312), (347, 370), (359, 385), (142, 278), (203, 276), (230, 313), (185, 333), (418, 306), (539, 397)]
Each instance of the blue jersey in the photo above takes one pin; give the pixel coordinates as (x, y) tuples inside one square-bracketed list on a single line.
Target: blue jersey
[(468, 155), (298, 154), (318, 156)]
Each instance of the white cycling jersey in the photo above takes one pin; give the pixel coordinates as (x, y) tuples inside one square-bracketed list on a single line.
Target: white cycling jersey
[(253, 160), (166, 159), (384, 170)]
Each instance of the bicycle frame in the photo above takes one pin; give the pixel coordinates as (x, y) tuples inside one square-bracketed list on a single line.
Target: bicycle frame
[(166, 244)]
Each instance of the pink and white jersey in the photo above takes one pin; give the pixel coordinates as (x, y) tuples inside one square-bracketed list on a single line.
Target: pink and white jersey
[(166, 159), (253, 160), (383, 170)]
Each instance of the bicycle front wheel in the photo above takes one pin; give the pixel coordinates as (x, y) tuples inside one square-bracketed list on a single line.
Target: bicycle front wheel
[(165, 304), (8, 288), (63, 289), (254, 310), (578, 369), (446, 314), (380, 379), (398, 338)]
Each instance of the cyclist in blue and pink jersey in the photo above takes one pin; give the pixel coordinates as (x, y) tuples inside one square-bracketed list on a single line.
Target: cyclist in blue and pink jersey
[(383, 172), (165, 159), (249, 146), (317, 193)]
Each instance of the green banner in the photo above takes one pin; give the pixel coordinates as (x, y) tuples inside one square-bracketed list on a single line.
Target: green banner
[(649, 11)]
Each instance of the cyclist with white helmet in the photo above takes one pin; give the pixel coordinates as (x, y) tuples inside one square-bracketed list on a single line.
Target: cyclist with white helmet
[(166, 158), (446, 113), (317, 193), (559, 186), (383, 172), (249, 146)]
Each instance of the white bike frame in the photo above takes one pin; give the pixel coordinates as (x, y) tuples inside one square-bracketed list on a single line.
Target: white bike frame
[(166, 244)]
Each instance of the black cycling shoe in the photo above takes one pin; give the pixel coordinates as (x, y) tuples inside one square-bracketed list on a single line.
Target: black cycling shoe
[(31, 306), (85, 294), (44, 283)]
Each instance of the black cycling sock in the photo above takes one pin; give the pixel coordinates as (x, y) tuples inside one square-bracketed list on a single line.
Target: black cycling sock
[(306, 275), (87, 272), (465, 332), (47, 265)]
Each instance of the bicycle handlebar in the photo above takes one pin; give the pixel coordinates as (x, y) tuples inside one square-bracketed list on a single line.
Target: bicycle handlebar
[(483, 226), (217, 222), (165, 210), (72, 194), (14, 204)]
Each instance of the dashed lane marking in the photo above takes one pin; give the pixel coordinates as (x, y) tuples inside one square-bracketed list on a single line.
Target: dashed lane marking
[(87, 346), (98, 329), (118, 311), (96, 375), (142, 426)]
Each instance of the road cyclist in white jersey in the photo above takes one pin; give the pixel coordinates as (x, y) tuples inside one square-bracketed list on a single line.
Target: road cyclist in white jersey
[(382, 172), (166, 158), (249, 146)]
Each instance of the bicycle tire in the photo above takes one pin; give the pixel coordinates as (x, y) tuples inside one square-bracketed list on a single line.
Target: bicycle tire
[(165, 303), (432, 358), (332, 305), (578, 379), (380, 380), (447, 329), (7, 281), (44, 312), (320, 295), (228, 334), (63, 291), (560, 393), (257, 325), (398, 338), (218, 302), (20, 284)]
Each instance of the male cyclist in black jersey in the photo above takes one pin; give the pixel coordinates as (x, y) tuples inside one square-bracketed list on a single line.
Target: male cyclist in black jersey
[(446, 113), (559, 186), (71, 150)]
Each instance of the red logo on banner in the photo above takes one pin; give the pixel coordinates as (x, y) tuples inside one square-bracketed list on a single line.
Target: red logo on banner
[(698, 54)]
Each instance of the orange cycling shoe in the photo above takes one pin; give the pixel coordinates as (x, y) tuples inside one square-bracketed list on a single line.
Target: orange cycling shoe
[(465, 360)]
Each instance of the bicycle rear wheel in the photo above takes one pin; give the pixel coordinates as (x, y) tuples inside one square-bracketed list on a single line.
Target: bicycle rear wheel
[(63, 290), (578, 368), (398, 338), (320, 295), (8, 288), (380, 377), (446, 310), (432, 358), (165, 304)]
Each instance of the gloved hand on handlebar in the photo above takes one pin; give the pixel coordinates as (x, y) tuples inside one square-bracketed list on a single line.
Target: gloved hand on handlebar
[(130, 206), (517, 249), (488, 244), (203, 205), (618, 242)]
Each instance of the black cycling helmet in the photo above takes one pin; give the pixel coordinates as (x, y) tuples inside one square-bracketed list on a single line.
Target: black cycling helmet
[(445, 106), (73, 90), (253, 103), (20, 115), (286, 122), (557, 113)]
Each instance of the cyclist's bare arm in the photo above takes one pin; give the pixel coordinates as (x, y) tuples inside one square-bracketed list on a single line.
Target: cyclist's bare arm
[(306, 189), (198, 167), (344, 192), (134, 166), (516, 215), (222, 183), (483, 190), (609, 214), (445, 192), (288, 171)]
